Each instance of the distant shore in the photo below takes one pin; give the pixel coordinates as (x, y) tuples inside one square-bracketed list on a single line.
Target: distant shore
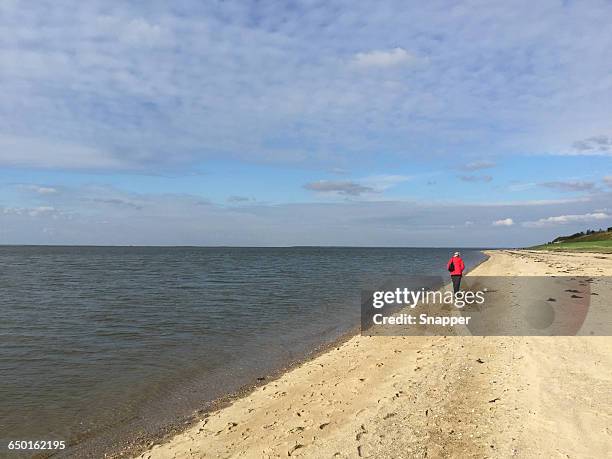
[(428, 396)]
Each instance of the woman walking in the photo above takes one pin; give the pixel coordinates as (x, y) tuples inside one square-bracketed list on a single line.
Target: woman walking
[(456, 266)]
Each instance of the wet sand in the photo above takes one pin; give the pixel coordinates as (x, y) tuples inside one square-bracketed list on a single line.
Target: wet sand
[(429, 396)]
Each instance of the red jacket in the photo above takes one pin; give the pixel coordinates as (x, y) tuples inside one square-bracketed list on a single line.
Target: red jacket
[(459, 266)]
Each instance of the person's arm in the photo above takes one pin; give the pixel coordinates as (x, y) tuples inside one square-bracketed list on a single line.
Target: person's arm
[(462, 266), (448, 264)]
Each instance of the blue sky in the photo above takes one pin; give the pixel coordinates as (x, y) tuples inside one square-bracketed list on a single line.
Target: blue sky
[(280, 123)]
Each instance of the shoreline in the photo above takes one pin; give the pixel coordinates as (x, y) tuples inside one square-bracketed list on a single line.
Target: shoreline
[(219, 403), (183, 424), (251, 420), (137, 443)]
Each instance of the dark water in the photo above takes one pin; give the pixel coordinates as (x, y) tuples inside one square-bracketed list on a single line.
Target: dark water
[(100, 343)]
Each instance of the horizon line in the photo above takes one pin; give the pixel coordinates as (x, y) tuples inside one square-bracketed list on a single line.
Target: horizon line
[(264, 246)]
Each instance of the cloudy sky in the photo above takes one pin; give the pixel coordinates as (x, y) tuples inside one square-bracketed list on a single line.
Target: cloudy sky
[(472, 123)]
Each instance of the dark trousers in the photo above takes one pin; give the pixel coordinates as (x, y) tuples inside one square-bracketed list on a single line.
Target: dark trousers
[(456, 282)]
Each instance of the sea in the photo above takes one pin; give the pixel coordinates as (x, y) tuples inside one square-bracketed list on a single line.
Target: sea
[(108, 347)]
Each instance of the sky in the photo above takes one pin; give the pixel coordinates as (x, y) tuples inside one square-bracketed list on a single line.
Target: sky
[(273, 123)]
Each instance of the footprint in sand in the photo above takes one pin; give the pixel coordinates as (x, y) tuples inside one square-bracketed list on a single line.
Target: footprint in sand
[(294, 449)]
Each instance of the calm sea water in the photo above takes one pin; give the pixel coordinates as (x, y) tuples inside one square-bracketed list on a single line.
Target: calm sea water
[(100, 344)]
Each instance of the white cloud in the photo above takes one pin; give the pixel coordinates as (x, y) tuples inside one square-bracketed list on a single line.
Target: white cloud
[(27, 152), (41, 189), (101, 214), (382, 58), (41, 210), (565, 219), (504, 222), (213, 79), (478, 165), (519, 186), (383, 182), (139, 32), (30, 211)]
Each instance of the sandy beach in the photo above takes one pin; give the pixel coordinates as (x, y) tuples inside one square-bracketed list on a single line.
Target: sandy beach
[(405, 397)]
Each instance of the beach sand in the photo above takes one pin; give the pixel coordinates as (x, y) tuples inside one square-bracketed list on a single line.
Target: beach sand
[(405, 397)]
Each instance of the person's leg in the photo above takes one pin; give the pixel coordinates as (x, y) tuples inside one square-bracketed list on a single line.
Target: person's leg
[(456, 283)]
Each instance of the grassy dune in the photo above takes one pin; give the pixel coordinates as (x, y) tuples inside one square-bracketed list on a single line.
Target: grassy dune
[(604, 246), (600, 241)]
